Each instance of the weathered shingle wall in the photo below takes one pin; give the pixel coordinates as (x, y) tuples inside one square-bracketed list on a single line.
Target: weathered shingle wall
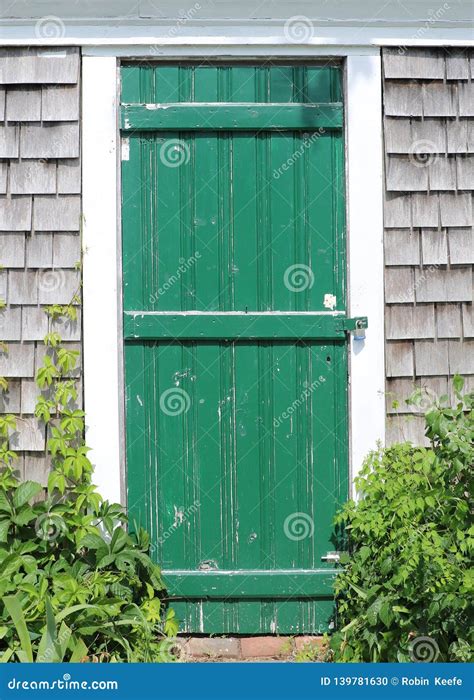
[(40, 209), (429, 251)]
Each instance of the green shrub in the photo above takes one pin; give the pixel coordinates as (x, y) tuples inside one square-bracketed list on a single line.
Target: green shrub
[(406, 590), (74, 585)]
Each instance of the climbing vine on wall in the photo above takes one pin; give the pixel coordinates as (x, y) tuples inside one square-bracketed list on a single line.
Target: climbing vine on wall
[(75, 585)]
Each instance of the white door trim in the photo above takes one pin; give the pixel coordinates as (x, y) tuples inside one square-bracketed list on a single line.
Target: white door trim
[(103, 385), (101, 274), (364, 182)]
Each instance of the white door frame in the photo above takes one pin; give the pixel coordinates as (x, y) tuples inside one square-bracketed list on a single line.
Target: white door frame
[(103, 365)]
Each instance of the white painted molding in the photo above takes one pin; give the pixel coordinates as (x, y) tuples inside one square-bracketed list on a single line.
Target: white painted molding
[(102, 325), (101, 289), (364, 148)]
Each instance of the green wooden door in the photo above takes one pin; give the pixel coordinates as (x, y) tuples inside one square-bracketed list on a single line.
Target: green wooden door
[(235, 336)]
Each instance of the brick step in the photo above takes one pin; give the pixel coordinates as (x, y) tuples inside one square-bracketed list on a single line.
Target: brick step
[(263, 648)]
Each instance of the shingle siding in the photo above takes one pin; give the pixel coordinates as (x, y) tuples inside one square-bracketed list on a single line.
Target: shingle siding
[(429, 249), (40, 220)]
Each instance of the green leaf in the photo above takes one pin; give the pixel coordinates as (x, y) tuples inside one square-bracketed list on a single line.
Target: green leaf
[(25, 492), (14, 609)]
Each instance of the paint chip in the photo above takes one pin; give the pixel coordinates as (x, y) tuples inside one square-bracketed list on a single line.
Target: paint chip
[(330, 301)]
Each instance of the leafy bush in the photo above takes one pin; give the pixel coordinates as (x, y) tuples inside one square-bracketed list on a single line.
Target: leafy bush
[(78, 584), (74, 585), (406, 590)]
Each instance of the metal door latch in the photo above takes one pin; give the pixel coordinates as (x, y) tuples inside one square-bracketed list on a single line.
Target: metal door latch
[(332, 557)]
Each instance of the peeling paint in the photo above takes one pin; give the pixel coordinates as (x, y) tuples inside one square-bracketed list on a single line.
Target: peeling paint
[(330, 301)]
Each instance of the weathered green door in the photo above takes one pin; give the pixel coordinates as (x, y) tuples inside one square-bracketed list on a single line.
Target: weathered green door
[(235, 336)]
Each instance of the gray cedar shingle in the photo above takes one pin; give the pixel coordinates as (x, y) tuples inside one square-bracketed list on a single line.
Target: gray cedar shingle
[(34, 323), (9, 141), (397, 391), (427, 64), (399, 285), (18, 361), (69, 176), (431, 357), (397, 135), (2, 104), (425, 210), (438, 100), (461, 246), (405, 174), (434, 245), (456, 135), (37, 468), (397, 210), (23, 105), (68, 330), (466, 99), (22, 287), (470, 136), (32, 177), (465, 166), (428, 135), (3, 177), (455, 209), (29, 395), (20, 66), (433, 284), (402, 247), (50, 141), (405, 428), (39, 250), (12, 249), (57, 213), (60, 103), (66, 249), (10, 399), (448, 320), (442, 173), (399, 359), (407, 322), (468, 320), (457, 64), (3, 284), (57, 286), (29, 435), (15, 214), (461, 356), (10, 323), (403, 99)]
